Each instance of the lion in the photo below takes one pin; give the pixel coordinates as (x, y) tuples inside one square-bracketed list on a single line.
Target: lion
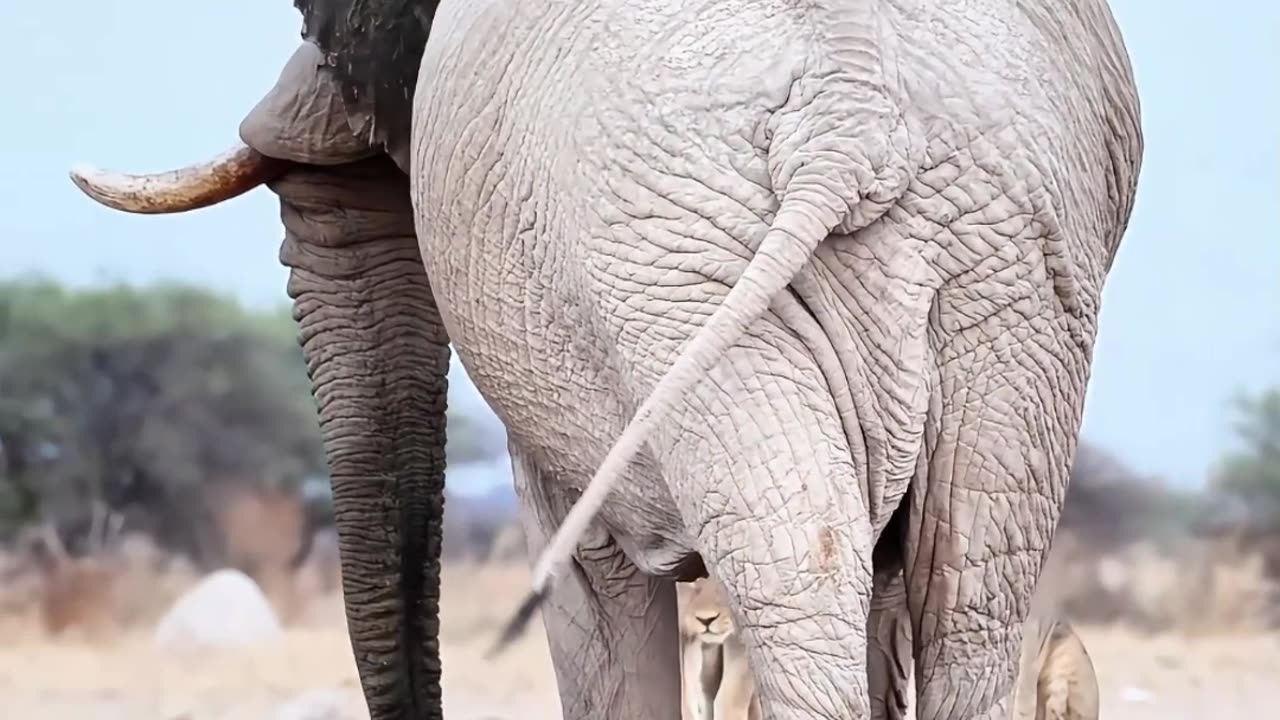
[(1056, 679), (714, 676)]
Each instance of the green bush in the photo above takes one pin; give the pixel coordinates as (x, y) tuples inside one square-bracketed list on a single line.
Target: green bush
[(139, 399)]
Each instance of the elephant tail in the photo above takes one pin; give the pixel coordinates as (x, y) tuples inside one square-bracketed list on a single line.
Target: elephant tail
[(806, 216)]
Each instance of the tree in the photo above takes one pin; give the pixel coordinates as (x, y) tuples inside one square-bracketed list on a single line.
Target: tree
[(143, 400), (140, 400), (1250, 475)]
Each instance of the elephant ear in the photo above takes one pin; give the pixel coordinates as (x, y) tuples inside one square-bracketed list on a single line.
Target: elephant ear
[(373, 48)]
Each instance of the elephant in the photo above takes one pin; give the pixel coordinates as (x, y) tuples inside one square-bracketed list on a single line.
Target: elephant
[(800, 296)]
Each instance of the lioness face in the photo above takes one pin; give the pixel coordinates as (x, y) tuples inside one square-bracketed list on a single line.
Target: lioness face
[(704, 611)]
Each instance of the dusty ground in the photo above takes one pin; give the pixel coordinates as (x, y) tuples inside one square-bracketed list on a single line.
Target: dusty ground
[(1168, 677)]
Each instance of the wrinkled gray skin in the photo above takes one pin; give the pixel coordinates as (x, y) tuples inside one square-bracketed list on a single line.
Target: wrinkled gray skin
[(588, 181), (599, 191)]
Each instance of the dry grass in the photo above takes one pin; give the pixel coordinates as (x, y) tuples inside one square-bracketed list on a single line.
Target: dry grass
[(1168, 675), (122, 676)]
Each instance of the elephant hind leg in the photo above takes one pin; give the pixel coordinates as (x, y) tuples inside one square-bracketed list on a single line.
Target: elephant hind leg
[(998, 450), (612, 630), (760, 468)]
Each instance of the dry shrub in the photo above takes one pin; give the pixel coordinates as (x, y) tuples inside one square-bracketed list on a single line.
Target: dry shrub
[(78, 599), (20, 584), (148, 579), (125, 579), (1240, 595), (260, 528), (66, 595), (263, 533), (93, 597), (1195, 586)]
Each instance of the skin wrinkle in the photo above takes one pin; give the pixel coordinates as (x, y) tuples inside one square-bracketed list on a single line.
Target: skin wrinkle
[(723, 237), (778, 502), (870, 408)]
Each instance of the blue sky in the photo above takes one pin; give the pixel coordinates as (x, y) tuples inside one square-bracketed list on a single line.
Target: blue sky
[(1192, 309)]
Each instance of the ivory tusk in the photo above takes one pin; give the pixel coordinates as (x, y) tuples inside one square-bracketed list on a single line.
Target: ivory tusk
[(233, 172)]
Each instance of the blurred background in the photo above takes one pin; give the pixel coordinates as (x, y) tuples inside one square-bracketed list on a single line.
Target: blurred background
[(156, 428)]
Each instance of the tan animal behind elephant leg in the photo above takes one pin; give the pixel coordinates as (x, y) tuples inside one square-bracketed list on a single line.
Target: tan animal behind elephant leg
[(690, 678), (1067, 687), (1056, 679), (700, 665), (736, 698), (716, 679), (710, 678)]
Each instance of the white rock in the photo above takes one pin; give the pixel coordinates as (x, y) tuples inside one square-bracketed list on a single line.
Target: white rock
[(1133, 694), (225, 609), (1113, 576), (316, 704)]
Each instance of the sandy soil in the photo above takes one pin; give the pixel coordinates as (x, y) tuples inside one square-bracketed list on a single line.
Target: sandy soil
[(1170, 677)]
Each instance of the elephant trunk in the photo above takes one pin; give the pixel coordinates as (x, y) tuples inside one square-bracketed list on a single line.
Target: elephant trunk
[(376, 350), (377, 354)]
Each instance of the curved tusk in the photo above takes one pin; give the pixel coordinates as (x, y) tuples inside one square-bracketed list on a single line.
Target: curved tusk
[(234, 172)]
